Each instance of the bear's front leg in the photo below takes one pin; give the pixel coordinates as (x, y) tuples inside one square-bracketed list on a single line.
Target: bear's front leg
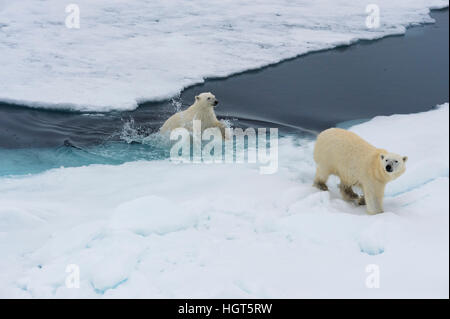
[(373, 196)]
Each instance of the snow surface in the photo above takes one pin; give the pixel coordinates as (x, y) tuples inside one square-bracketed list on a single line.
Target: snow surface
[(157, 229), (128, 51)]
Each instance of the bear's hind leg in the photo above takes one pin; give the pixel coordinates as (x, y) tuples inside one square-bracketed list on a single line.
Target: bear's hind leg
[(320, 181), (347, 193), (362, 201)]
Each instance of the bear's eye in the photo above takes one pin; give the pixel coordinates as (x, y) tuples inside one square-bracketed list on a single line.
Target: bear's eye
[(396, 162), (209, 98)]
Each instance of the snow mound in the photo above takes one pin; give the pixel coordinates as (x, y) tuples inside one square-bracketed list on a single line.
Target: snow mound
[(151, 214)]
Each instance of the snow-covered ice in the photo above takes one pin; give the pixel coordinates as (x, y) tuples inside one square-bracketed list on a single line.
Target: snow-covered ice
[(157, 229), (127, 51)]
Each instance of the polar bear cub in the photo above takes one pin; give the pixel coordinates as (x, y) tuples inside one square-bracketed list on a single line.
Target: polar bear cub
[(356, 163), (202, 109)]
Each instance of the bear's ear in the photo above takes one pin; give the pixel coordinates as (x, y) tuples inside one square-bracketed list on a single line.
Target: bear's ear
[(405, 158), (197, 97), (382, 156)]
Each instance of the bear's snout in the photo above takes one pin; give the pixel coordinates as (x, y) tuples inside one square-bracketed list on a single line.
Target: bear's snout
[(216, 102), (389, 168)]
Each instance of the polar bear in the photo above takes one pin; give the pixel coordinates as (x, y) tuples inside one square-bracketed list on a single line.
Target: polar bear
[(202, 109), (356, 163)]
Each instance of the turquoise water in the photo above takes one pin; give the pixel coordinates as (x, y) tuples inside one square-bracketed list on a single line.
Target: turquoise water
[(131, 147), (37, 160)]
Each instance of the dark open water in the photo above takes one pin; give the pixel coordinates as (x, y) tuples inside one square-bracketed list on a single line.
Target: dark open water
[(399, 74)]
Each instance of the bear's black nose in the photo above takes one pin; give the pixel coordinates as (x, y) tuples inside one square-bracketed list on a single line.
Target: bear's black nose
[(389, 168), (216, 102)]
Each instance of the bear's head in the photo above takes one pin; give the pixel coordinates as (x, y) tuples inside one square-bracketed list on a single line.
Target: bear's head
[(392, 165), (206, 100)]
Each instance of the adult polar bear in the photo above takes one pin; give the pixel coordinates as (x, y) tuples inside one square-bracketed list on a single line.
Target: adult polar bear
[(202, 109), (356, 163)]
